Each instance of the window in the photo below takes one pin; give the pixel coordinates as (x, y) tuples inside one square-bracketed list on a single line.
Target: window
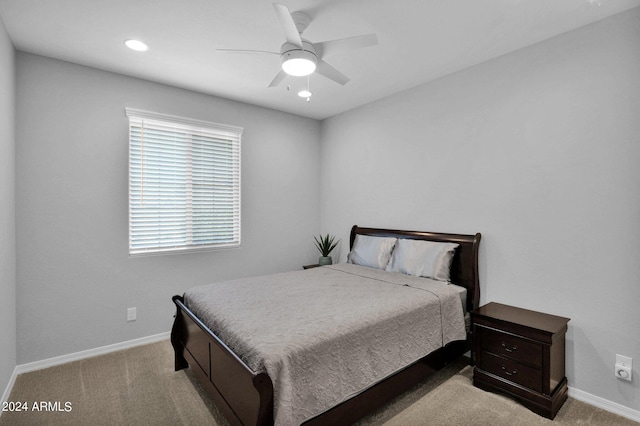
[(184, 184)]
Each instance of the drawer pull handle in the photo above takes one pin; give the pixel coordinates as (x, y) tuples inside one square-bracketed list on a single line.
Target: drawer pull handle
[(511, 349), (508, 373)]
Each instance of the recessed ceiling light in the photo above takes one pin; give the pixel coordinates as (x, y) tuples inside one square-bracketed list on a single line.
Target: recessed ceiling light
[(304, 94), (136, 45)]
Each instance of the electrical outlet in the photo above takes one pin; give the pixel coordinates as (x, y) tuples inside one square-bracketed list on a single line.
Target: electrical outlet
[(131, 314), (624, 361), (623, 367)]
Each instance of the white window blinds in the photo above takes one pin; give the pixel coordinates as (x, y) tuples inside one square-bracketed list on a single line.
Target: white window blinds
[(184, 184)]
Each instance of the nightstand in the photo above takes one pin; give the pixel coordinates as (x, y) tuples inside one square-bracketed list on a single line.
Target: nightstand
[(521, 353), (315, 265)]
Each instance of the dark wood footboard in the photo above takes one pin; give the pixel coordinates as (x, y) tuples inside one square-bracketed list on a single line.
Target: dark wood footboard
[(244, 397)]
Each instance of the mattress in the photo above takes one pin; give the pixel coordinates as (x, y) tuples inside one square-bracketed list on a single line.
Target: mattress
[(328, 333)]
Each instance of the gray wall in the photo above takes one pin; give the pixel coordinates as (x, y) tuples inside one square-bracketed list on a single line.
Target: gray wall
[(75, 278), (7, 211), (538, 150)]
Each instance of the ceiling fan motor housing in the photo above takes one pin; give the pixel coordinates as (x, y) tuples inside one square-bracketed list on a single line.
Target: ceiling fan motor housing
[(302, 20)]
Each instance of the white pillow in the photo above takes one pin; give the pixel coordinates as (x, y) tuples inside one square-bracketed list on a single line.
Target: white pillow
[(373, 252), (422, 258)]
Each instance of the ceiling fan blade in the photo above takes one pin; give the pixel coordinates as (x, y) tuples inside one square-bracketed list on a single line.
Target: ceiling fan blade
[(278, 79), (288, 25), (246, 51), (331, 73), (332, 47)]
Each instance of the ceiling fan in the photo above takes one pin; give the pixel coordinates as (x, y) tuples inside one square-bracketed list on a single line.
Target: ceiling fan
[(300, 57)]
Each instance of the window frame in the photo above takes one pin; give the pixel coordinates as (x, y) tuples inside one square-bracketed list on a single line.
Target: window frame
[(194, 128)]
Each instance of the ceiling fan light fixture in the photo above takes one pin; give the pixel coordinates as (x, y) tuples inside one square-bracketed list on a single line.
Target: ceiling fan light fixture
[(299, 63)]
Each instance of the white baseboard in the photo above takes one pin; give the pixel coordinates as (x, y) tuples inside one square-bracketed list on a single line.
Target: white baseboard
[(7, 391), (45, 363), (50, 362), (605, 404)]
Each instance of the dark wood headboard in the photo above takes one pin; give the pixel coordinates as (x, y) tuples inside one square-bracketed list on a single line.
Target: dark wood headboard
[(464, 266)]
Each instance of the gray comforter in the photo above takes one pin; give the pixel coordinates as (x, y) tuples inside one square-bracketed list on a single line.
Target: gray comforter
[(327, 333)]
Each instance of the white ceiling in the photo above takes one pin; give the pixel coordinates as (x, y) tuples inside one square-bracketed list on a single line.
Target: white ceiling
[(419, 40)]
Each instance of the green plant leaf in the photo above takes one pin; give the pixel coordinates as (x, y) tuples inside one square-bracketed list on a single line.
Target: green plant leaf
[(325, 244)]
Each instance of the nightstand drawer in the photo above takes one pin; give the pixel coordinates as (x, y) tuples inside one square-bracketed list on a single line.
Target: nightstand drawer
[(511, 370), (510, 346)]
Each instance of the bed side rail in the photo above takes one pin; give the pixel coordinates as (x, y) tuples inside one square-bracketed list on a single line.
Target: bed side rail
[(244, 396)]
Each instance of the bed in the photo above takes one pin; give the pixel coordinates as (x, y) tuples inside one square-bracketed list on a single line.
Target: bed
[(261, 367)]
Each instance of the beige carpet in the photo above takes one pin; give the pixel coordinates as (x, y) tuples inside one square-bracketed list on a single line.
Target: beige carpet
[(132, 387), (139, 387), (458, 402)]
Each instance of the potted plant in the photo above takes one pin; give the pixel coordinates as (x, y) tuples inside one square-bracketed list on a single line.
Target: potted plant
[(325, 245)]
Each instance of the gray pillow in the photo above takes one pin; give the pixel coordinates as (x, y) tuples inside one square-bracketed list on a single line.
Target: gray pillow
[(373, 252), (422, 258)]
